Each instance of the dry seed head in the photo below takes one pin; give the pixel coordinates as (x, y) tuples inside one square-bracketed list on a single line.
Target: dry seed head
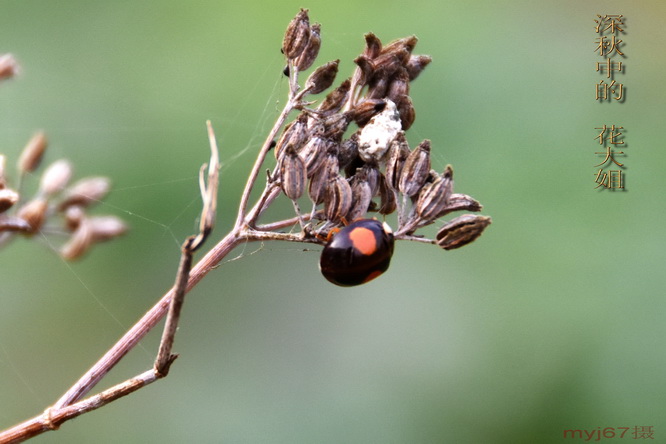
[(297, 35), (320, 181), (461, 231), (8, 66), (399, 45), (361, 195), (55, 177), (406, 111), (7, 199), (416, 170), (314, 153), (293, 173), (74, 214), (338, 199), (309, 54), (373, 46), (348, 151), (34, 213), (32, 153), (322, 78), (399, 85), (388, 202), (86, 191)]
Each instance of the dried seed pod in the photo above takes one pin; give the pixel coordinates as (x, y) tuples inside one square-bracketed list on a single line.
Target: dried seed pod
[(365, 70), (338, 199), (373, 46), (416, 64), (434, 196), (309, 54), (86, 191), (319, 182), (390, 62), (399, 85), (461, 202), (378, 85), (376, 136), (407, 111), (398, 46), (361, 195), (314, 153), (366, 110), (335, 99), (461, 231), (322, 78), (7, 199), (416, 170), (8, 66), (371, 173), (294, 134), (106, 227), (34, 213), (13, 223), (293, 173), (348, 151), (79, 242), (297, 35), (388, 202), (335, 126), (32, 153), (55, 177), (397, 155)]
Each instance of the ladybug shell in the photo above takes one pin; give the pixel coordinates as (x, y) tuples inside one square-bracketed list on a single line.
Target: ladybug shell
[(357, 253)]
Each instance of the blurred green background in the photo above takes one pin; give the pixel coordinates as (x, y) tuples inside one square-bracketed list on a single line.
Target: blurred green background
[(552, 320)]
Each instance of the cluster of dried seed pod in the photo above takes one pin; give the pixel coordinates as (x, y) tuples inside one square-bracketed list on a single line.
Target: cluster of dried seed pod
[(55, 199), (372, 170)]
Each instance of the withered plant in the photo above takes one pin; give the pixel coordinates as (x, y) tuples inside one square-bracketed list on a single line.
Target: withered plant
[(340, 159)]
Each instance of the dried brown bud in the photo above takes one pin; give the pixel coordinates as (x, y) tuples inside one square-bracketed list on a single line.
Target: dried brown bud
[(461, 202), (13, 223), (416, 64), (338, 200), (32, 154), (405, 44), (399, 85), (388, 202), (86, 191), (34, 213), (461, 231), (361, 195), (390, 62), (321, 180), (293, 174), (106, 227), (366, 69), (79, 242), (373, 46), (55, 177), (348, 150), (314, 153), (397, 155), (366, 110), (378, 85), (434, 196), (335, 99), (407, 111), (335, 126), (297, 35), (416, 170), (8, 66), (322, 78), (7, 199), (294, 134), (309, 54)]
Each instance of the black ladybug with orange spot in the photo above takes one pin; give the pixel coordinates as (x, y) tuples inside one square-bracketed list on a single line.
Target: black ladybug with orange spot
[(357, 253)]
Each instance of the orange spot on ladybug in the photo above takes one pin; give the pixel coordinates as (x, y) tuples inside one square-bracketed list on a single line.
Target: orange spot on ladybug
[(363, 240)]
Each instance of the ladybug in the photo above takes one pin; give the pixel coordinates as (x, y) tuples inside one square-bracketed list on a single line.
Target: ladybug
[(357, 253)]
